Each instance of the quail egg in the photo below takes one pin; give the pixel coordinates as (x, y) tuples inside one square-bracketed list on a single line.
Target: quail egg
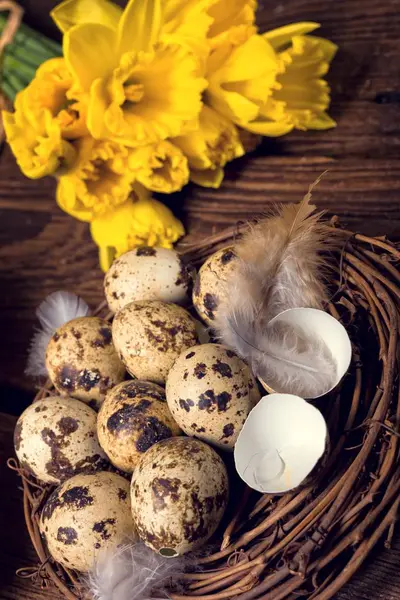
[(149, 336), (56, 438), (209, 289), (147, 274), (179, 493), (210, 392), (81, 360), (84, 516), (133, 417)]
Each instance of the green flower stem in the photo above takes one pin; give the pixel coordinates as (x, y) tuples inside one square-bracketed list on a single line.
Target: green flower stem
[(23, 56)]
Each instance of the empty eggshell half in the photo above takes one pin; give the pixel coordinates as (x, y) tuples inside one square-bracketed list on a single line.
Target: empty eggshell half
[(280, 443), (321, 332), (148, 274)]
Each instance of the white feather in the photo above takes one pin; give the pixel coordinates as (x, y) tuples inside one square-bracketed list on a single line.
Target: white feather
[(134, 572), (58, 308)]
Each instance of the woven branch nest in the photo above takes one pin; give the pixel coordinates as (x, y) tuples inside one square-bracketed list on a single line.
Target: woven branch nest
[(297, 544)]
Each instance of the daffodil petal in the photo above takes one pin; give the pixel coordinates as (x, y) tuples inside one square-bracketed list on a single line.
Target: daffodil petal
[(208, 177), (327, 47), (268, 128), (321, 122), (140, 25), (89, 51), (74, 12), (282, 35), (97, 107)]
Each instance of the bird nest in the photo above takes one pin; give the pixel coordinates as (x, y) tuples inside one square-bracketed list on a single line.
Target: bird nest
[(308, 542)]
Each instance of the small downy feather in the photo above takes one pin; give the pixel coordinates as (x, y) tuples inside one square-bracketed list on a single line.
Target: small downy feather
[(134, 572), (279, 267), (58, 308)]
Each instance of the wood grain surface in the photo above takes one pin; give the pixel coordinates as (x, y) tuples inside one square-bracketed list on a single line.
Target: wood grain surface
[(43, 250)]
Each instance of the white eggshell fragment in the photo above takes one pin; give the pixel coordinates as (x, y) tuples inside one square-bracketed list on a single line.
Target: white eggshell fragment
[(209, 287), (147, 274), (327, 335), (149, 337), (81, 360), (55, 438), (134, 416), (85, 516), (281, 442), (179, 493), (210, 392)]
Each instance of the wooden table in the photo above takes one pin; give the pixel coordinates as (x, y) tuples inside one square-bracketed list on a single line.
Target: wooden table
[(43, 250)]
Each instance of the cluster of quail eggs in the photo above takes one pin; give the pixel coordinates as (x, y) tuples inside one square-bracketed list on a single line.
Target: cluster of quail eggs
[(141, 399)]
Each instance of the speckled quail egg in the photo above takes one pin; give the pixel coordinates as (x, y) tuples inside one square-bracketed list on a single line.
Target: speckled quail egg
[(133, 417), (210, 391), (209, 288), (86, 515), (179, 493), (82, 361), (56, 438), (148, 274), (149, 336)]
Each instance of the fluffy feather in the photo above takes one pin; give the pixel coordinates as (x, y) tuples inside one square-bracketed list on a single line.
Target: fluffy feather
[(134, 572), (58, 308), (279, 267)]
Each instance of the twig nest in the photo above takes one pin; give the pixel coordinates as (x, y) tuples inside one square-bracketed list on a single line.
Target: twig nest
[(85, 516), (149, 337), (56, 438), (210, 392), (311, 352), (179, 493), (281, 442), (81, 360), (209, 287), (147, 274), (134, 416)]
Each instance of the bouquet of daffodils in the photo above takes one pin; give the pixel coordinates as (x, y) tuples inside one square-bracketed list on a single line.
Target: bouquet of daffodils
[(148, 98)]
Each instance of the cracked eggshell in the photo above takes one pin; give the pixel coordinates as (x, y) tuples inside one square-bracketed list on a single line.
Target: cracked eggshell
[(149, 337), (56, 438), (148, 274), (134, 416), (210, 392), (179, 493), (281, 442), (84, 516), (209, 288), (81, 360)]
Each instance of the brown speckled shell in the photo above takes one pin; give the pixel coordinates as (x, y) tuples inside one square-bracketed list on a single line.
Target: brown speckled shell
[(147, 274), (210, 391), (134, 416), (149, 337), (179, 493), (84, 516), (82, 361), (208, 289), (56, 438)]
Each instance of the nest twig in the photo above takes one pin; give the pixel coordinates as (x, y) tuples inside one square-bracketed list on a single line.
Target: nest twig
[(299, 543)]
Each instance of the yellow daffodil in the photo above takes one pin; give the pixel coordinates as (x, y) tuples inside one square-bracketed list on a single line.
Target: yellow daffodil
[(36, 142), (302, 96), (53, 89), (99, 181), (231, 19), (210, 147), (141, 89), (139, 221), (161, 167), (241, 77)]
